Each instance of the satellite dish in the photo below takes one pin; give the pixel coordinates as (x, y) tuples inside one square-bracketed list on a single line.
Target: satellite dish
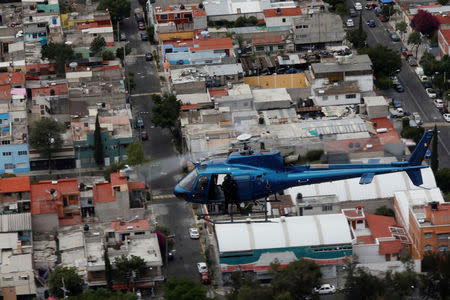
[(244, 137), (73, 64)]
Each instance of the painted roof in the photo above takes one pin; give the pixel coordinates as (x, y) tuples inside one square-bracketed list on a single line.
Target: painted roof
[(140, 224), (379, 225), (391, 136), (443, 19), (371, 144), (116, 179), (12, 78), (283, 232), (15, 184), (211, 44), (95, 24), (41, 200), (5, 92), (136, 185), (446, 34), (218, 93), (285, 12), (390, 247), (59, 89), (268, 40), (103, 192)]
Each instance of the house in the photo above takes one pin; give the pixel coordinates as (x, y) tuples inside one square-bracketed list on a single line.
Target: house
[(317, 29), (268, 44), (231, 10), (425, 217), (444, 41), (55, 203), (265, 99), (376, 107), (15, 195), (119, 198), (184, 17), (281, 16), (252, 246)]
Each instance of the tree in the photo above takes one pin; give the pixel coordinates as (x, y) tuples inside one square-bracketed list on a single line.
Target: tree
[(46, 136), (97, 45), (298, 279), (425, 23), (108, 55), (384, 211), (119, 52), (127, 269), (98, 143), (443, 179), (401, 27), (60, 53), (104, 294), (434, 152), (131, 83), (387, 10), (108, 269), (151, 33), (384, 60), (443, 2), (73, 282), (135, 153), (435, 283), (414, 133), (183, 289), (360, 284), (118, 9), (357, 37), (398, 285), (112, 168), (166, 111)]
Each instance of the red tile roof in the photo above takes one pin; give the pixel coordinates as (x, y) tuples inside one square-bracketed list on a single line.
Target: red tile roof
[(268, 40), (446, 34), (5, 92), (136, 185), (441, 216), (285, 12), (59, 89), (213, 44), (443, 19), (390, 247), (95, 24), (189, 106), (15, 184), (12, 78), (218, 93), (116, 179), (353, 213), (391, 136), (103, 192), (142, 224), (42, 201), (371, 144), (365, 240), (379, 225)]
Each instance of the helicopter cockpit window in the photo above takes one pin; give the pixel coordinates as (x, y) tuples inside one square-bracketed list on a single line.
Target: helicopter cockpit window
[(202, 183), (187, 183)]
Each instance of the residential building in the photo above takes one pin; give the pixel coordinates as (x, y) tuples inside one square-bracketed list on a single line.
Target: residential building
[(231, 10), (268, 44), (265, 99), (55, 203), (281, 16), (317, 29), (425, 217), (15, 195), (252, 246), (376, 107), (116, 136), (444, 41), (184, 17)]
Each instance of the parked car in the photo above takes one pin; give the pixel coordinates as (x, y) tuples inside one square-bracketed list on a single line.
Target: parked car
[(371, 5), (204, 277), (148, 56), (394, 79), (394, 37), (202, 267), (397, 103), (377, 11), (139, 123), (405, 52), (383, 18), (399, 88), (123, 37), (431, 93), (144, 37), (446, 117), (438, 103), (349, 23), (139, 17), (371, 23), (193, 233), (325, 289), (417, 118), (397, 113), (141, 25), (427, 84), (144, 135), (358, 6), (352, 12), (412, 61)]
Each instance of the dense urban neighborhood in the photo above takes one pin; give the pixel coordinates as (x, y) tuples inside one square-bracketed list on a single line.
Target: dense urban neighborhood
[(138, 140)]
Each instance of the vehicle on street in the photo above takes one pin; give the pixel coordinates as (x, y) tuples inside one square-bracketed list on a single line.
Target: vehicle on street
[(193, 233), (352, 12), (397, 103), (127, 169), (144, 37), (427, 84), (405, 52), (431, 93), (139, 122), (371, 5), (394, 37), (123, 37), (412, 61), (358, 6), (446, 117), (141, 25), (202, 267), (349, 23), (394, 80), (399, 88), (423, 78), (397, 113), (383, 18), (438, 103), (325, 289), (205, 278), (171, 254), (144, 135), (371, 23), (148, 56), (417, 118), (377, 10)]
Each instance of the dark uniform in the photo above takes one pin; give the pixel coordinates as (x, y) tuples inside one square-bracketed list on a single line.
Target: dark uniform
[(229, 187)]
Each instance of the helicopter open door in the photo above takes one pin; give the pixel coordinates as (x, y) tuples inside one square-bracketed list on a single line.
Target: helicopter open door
[(201, 188)]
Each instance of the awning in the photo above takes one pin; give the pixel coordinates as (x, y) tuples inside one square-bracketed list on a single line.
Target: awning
[(386, 1)]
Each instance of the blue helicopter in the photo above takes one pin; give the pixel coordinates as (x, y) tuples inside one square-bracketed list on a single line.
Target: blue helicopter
[(263, 173)]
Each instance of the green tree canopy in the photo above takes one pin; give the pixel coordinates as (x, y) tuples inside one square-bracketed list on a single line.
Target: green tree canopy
[(58, 52), (166, 110), (415, 39), (104, 294), (98, 143), (119, 52), (387, 10), (443, 179), (125, 267), (360, 284), (108, 55), (97, 45), (402, 27), (135, 153), (298, 279), (436, 282), (357, 37), (118, 9), (72, 282), (385, 61), (183, 289), (46, 136)]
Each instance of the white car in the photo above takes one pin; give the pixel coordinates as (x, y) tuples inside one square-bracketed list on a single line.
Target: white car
[(431, 93), (202, 267), (358, 6), (193, 233), (438, 103), (349, 23), (417, 118), (446, 117), (325, 289)]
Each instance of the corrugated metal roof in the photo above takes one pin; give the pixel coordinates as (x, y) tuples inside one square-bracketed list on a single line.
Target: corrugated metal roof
[(15, 222)]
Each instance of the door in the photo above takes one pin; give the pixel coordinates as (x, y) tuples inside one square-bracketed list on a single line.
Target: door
[(244, 187), (200, 193)]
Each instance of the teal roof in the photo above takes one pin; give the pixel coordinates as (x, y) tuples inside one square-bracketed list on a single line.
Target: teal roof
[(48, 7)]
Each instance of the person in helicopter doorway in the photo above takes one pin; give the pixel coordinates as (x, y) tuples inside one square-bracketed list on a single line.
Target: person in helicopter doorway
[(229, 187)]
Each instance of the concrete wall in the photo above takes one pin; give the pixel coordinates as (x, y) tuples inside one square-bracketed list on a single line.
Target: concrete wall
[(368, 254), (119, 209), (192, 87), (234, 17), (44, 223)]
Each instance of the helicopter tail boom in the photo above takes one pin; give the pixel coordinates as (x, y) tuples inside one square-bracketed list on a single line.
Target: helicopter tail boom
[(421, 149)]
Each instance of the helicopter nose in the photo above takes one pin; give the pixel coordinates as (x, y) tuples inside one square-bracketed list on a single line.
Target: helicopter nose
[(179, 192)]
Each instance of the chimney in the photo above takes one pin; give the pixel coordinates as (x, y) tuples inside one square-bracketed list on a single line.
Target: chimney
[(278, 11)]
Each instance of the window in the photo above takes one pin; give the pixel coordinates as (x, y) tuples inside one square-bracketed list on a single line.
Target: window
[(202, 184), (442, 236), (177, 16), (97, 274), (283, 20), (336, 97), (6, 153), (428, 248), (428, 235), (86, 124), (188, 16), (442, 248), (280, 47), (22, 152), (259, 48), (208, 61), (350, 96), (72, 197), (163, 17), (301, 36), (8, 278), (327, 207), (23, 277), (139, 233), (9, 166), (6, 142)]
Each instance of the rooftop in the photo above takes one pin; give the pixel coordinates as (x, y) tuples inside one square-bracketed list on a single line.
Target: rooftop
[(282, 12), (278, 39), (391, 135), (15, 184), (337, 88), (141, 224), (352, 64), (371, 144), (15, 222), (212, 44), (42, 198), (117, 126)]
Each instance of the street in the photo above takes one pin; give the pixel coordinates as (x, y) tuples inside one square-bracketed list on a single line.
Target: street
[(414, 98)]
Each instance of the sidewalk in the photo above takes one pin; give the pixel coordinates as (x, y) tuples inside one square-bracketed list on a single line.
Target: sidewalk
[(68, 172)]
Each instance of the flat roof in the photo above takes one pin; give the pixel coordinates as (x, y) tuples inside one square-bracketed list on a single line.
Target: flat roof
[(354, 63), (286, 232), (193, 98), (270, 95)]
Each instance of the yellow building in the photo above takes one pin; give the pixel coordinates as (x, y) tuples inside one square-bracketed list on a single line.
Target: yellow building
[(278, 81)]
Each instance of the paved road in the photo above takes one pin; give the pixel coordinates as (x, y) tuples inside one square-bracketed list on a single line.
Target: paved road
[(414, 97)]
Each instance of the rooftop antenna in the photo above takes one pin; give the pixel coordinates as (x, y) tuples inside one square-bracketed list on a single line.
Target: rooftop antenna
[(244, 139)]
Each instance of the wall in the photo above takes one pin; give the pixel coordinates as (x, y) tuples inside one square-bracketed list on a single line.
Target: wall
[(200, 22), (176, 35), (234, 17), (191, 87), (278, 21), (111, 211), (365, 82), (20, 162), (368, 254), (278, 81), (44, 223), (342, 100)]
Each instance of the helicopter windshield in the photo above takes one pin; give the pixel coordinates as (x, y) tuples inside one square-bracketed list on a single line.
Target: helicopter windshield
[(187, 183)]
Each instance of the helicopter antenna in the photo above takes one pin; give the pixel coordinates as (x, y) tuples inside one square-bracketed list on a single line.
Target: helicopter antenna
[(245, 139)]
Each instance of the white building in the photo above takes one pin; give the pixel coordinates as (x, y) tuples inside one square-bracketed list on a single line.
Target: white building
[(281, 16)]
